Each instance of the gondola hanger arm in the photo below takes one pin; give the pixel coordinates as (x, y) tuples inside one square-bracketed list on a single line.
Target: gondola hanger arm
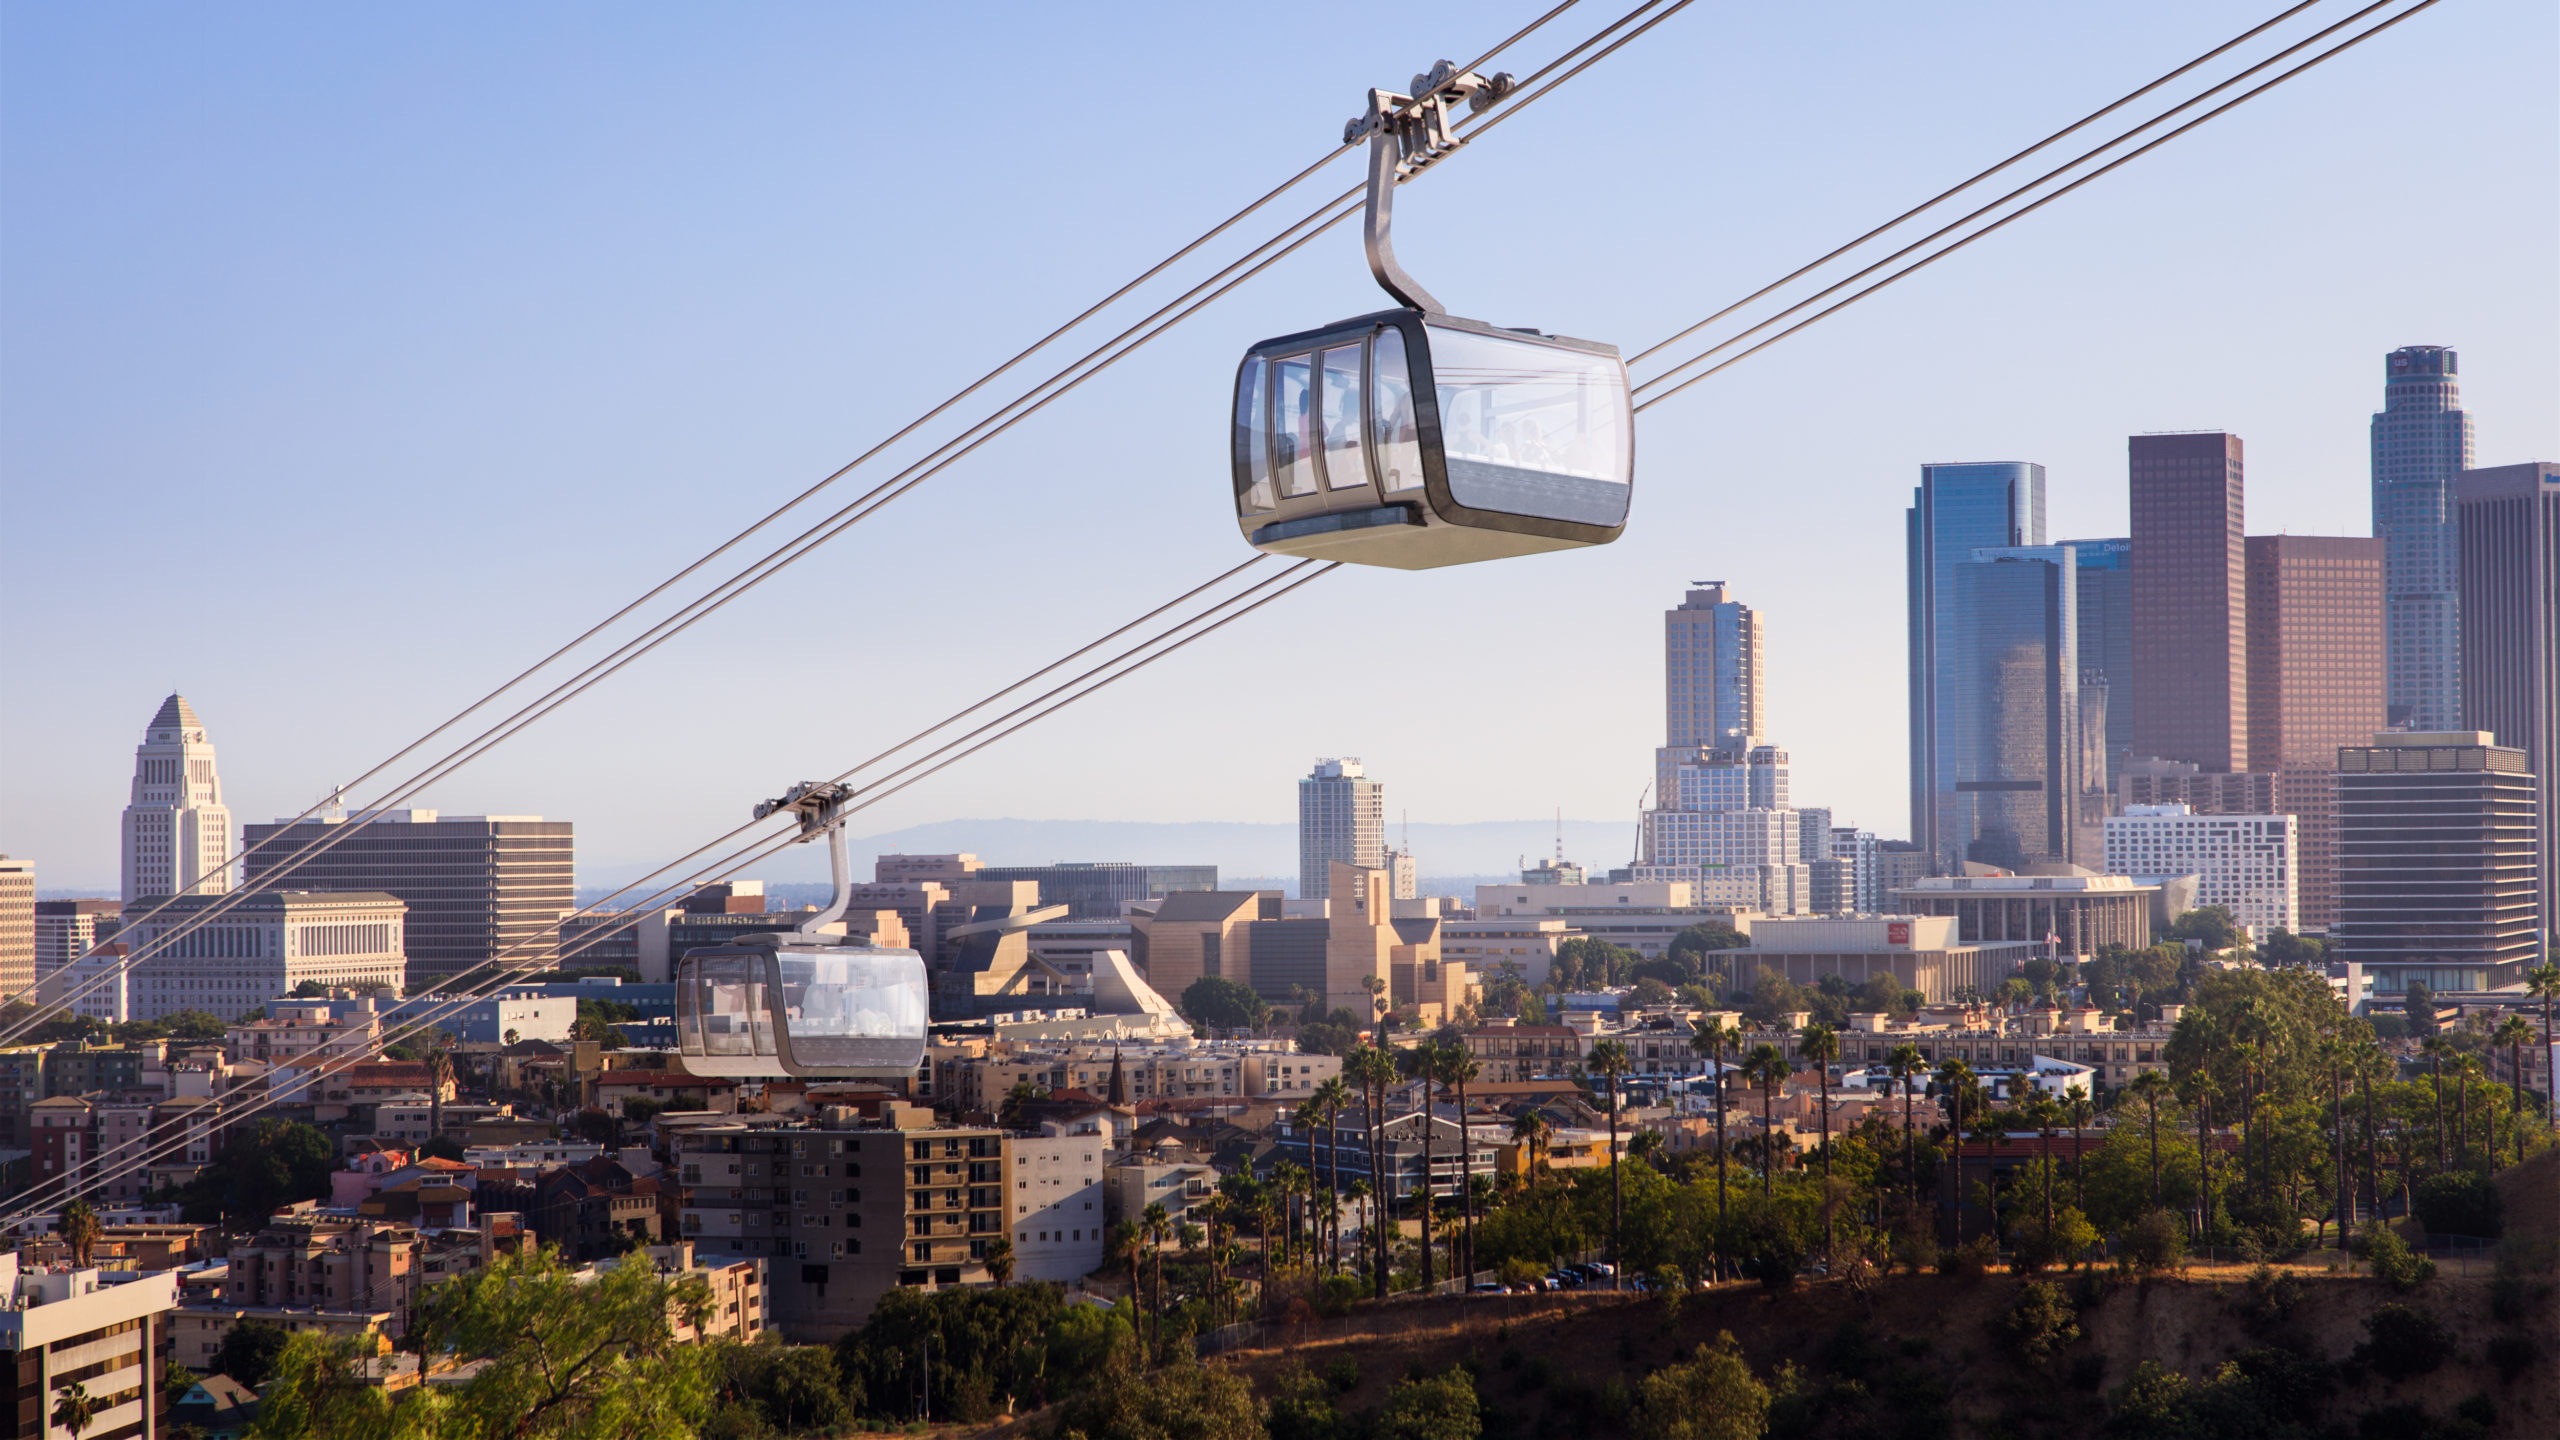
[(1407, 134), (820, 806)]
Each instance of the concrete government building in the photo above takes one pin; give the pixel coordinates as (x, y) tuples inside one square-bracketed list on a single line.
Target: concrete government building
[(477, 886)]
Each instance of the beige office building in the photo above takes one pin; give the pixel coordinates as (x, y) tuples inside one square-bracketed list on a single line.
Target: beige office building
[(2079, 913), (1922, 952), (17, 924)]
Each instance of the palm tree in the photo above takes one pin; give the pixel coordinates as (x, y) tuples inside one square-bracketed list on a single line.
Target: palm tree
[(2333, 1054), (2198, 1090), (1710, 1038), (1905, 1062), (1358, 1192), (2368, 1060), (1375, 1072), (2149, 1086), (1768, 1068), (2436, 1048), (1158, 1223), (2513, 1032), (75, 1411), (1421, 1062), (2041, 1112), (2245, 1054), (1000, 1262), (1457, 1069), (439, 1075), (2544, 981), (1210, 1210), (1291, 1180), (1819, 1046), (2077, 1109), (2466, 1072), (1609, 1061), (1532, 1129), (1955, 1078), (1332, 1097), (80, 1229)]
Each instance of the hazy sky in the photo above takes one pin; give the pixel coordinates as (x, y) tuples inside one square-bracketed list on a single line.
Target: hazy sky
[(351, 357)]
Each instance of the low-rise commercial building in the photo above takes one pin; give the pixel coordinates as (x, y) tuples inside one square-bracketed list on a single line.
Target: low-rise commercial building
[(1132, 1185), (198, 1330), (1921, 952), (1506, 1052), (1643, 916), (499, 1019), (2077, 914), (1346, 1145), (978, 1079)]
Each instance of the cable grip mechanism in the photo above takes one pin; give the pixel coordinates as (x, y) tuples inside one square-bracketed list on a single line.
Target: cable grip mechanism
[(1407, 134)]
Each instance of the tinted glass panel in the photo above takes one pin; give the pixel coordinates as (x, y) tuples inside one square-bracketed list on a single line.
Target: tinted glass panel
[(1253, 432), (1344, 469), (1293, 428), (1399, 445), (1532, 429), (854, 1007), (728, 998)]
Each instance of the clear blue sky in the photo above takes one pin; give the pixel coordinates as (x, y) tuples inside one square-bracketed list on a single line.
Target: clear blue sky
[(350, 357)]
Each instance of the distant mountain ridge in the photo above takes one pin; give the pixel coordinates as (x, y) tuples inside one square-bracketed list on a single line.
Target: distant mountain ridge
[(1239, 849)]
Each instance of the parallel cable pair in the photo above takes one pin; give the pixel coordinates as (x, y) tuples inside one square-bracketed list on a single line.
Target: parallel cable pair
[(1129, 660), (1660, 383), (1686, 383), (1021, 407)]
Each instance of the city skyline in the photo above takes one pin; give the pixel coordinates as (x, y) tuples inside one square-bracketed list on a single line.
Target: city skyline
[(554, 450), (1854, 407)]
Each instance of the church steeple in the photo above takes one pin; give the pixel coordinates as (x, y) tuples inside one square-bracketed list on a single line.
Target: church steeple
[(1119, 1081)]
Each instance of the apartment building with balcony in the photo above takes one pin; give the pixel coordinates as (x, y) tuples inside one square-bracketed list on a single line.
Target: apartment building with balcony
[(845, 1207)]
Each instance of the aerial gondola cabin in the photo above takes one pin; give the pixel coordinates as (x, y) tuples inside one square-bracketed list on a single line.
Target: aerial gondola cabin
[(1413, 440), (768, 1006)]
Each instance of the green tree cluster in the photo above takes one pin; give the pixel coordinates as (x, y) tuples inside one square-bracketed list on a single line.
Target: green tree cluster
[(559, 1357), (1223, 1004), (272, 1164)]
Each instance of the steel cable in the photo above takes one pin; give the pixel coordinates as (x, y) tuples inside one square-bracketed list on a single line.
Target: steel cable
[(1120, 667), (1941, 253), (367, 812)]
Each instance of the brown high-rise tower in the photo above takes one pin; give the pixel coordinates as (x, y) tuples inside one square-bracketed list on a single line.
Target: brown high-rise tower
[(2315, 686), (2190, 600), (2315, 648)]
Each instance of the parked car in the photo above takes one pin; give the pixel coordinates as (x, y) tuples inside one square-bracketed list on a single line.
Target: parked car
[(1486, 1287)]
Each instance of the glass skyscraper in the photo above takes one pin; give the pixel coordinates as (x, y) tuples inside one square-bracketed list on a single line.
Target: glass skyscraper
[(2421, 441), (1957, 510), (2008, 729), (2104, 571)]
